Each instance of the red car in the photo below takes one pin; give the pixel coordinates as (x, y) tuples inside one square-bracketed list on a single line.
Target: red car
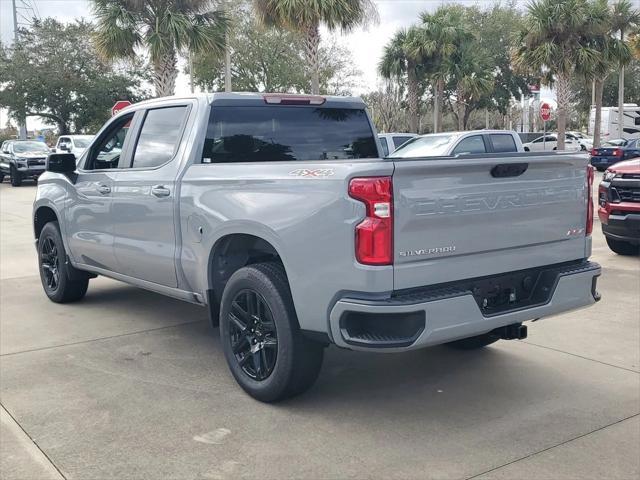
[(619, 207)]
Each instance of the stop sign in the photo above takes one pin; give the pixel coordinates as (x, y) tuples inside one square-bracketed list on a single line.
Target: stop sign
[(545, 111), (119, 106)]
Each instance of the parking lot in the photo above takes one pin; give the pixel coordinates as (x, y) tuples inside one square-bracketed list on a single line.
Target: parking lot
[(130, 384)]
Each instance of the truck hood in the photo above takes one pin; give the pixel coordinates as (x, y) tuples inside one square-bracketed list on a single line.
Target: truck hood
[(28, 155), (629, 166)]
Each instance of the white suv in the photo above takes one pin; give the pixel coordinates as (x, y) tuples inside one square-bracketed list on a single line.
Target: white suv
[(75, 144)]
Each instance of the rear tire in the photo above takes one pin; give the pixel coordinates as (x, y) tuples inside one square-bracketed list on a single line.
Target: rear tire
[(16, 177), (266, 352), (473, 343), (623, 248), (61, 282), (601, 169)]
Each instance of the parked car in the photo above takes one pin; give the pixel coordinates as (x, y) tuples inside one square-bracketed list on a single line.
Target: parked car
[(585, 142), (614, 151), (75, 144), (550, 142), (619, 207), (390, 142), (279, 215), (22, 159), (460, 143)]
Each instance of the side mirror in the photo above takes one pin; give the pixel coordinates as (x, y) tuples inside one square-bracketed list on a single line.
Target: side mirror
[(61, 163)]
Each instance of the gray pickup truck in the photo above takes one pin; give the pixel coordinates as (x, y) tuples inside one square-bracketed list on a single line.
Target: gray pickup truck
[(278, 214)]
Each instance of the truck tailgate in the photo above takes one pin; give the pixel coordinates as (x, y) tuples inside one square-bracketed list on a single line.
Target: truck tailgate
[(466, 217)]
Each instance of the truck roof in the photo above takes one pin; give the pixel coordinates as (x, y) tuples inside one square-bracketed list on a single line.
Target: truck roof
[(256, 99)]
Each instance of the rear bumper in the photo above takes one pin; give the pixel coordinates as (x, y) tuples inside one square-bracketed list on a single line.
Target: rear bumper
[(624, 227), (440, 315), (605, 162)]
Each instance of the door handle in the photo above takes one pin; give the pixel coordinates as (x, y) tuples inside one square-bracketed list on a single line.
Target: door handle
[(104, 189), (160, 191)]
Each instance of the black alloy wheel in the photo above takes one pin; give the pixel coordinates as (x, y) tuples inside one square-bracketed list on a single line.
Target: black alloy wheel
[(49, 261), (61, 281), (253, 334)]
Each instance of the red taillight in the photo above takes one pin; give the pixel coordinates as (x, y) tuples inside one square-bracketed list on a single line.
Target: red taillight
[(374, 235), (594, 152), (617, 152), (590, 175)]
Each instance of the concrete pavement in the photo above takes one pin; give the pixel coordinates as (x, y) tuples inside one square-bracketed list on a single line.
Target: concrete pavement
[(130, 384)]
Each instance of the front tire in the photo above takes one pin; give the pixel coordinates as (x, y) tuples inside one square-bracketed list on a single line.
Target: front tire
[(622, 248), (16, 177), (61, 282), (473, 343), (266, 352)]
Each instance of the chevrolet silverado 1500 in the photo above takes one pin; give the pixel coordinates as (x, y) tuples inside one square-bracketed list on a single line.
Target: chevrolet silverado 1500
[(278, 214)]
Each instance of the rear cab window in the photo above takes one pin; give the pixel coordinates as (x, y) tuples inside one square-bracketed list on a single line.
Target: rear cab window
[(503, 142), (470, 145), (276, 133)]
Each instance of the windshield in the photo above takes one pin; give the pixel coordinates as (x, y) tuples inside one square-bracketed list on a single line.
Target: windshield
[(618, 142), (82, 142), (426, 146), (35, 147), (278, 133)]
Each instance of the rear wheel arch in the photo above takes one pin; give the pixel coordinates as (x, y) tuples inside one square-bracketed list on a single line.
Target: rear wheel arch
[(229, 254)]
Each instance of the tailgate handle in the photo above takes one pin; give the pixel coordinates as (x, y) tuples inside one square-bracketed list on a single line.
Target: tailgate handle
[(509, 170)]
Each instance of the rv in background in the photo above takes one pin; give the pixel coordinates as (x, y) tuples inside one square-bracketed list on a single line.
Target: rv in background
[(610, 130)]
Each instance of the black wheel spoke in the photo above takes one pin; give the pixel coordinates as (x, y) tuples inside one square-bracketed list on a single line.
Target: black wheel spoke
[(245, 359), (238, 323), (270, 343), (257, 365), (240, 312), (252, 334), (49, 263), (239, 344)]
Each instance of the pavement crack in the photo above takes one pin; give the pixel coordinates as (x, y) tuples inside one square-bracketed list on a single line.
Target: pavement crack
[(26, 434), (99, 339), (553, 446), (581, 356)]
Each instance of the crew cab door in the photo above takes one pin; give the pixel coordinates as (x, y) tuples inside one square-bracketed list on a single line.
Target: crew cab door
[(89, 216), (144, 197)]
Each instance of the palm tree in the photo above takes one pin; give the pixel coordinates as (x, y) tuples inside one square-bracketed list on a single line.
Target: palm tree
[(553, 41), (471, 77), (438, 39), (611, 52), (163, 27), (305, 17), (398, 60), (624, 19)]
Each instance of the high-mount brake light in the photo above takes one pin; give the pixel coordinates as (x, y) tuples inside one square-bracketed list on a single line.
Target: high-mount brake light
[(590, 176), (374, 235), (278, 99)]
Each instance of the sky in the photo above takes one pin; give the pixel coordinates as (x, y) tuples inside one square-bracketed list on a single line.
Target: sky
[(366, 45)]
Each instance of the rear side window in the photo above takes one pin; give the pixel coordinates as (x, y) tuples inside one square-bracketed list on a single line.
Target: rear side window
[(159, 136), (503, 143), (471, 145), (282, 133), (398, 141), (385, 146)]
